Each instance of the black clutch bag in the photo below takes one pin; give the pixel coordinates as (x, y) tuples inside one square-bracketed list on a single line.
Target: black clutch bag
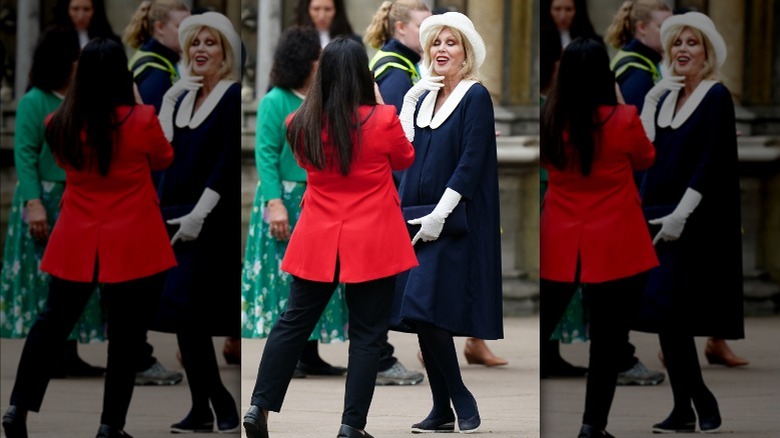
[(456, 222)]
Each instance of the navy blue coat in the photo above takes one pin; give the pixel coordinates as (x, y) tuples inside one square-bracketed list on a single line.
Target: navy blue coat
[(201, 290), (393, 82), (153, 82), (698, 286), (634, 82), (457, 285)]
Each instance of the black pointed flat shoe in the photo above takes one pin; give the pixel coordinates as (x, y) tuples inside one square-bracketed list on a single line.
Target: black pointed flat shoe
[(106, 431), (255, 423), (192, 423), (587, 431), (15, 422), (350, 432), (677, 423), (435, 425), (469, 425)]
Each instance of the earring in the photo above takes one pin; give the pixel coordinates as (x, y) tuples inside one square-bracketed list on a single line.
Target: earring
[(463, 64)]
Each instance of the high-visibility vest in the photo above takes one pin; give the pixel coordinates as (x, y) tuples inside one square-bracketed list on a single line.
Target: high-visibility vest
[(142, 60), (623, 61), (403, 64)]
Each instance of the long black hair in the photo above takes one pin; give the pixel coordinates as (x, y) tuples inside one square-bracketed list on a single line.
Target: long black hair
[(583, 83), (53, 59), (341, 84), (99, 26), (87, 121), (340, 25)]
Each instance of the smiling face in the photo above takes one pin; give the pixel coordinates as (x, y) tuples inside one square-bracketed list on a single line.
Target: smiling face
[(322, 13), (447, 55), (688, 54), (80, 12), (206, 54)]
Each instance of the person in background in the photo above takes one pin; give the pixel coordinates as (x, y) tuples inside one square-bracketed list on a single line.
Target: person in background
[(689, 115), (592, 230), (86, 19), (109, 230), (451, 192), (349, 145), (281, 184), (35, 207), (154, 32), (329, 17)]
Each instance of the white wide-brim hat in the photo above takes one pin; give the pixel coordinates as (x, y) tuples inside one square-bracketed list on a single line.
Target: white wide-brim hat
[(699, 21), (455, 20), (217, 21)]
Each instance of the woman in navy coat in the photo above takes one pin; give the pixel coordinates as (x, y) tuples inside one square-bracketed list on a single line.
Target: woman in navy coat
[(456, 290), (199, 197), (692, 193)]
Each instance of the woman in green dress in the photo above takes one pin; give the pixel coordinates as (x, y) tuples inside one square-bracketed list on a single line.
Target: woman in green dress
[(23, 287), (276, 207)]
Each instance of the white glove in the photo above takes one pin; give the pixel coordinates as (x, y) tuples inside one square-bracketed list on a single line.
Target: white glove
[(672, 224), (189, 83), (432, 223), (192, 222), (428, 83), (651, 101)]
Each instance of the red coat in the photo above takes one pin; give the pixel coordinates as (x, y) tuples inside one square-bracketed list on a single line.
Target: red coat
[(599, 217), (115, 220), (356, 217)]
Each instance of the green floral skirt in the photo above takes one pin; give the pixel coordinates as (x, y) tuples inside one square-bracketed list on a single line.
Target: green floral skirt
[(265, 287), (573, 326), (24, 288)]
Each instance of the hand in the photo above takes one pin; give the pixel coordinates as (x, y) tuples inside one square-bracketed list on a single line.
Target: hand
[(278, 220), (671, 227), (430, 227), (428, 83), (666, 84), (378, 95), (137, 95), (37, 219), (189, 227)]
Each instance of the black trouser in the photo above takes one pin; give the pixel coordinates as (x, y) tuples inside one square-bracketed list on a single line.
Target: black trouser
[(200, 364), (131, 307), (386, 358), (369, 306), (682, 364), (613, 306)]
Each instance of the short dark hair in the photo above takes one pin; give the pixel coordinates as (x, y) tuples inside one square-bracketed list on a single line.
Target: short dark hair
[(298, 47), (53, 59)]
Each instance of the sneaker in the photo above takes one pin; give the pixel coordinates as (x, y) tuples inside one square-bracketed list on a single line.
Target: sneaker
[(398, 375), (158, 375), (641, 376)]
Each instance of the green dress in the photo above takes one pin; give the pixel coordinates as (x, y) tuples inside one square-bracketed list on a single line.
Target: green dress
[(264, 287), (23, 287)]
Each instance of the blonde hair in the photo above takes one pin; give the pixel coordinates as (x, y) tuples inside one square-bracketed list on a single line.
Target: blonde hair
[(623, 26), (468, 71), (226, 70), (710, 68), (382, 26), (141, 26)]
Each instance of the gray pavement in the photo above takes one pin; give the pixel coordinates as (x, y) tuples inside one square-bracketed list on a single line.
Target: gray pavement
[(749, 397), (508, 396)]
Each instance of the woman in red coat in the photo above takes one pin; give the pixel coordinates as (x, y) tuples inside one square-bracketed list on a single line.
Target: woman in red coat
[(592, 226), (350, 230), (109, 230)]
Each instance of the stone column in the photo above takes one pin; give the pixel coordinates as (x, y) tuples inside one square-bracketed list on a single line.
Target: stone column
[(27, 28), (729, 18), (269, 27), (488, 18)]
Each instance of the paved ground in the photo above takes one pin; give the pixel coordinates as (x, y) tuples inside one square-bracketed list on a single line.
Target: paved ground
[(508, 396), (749, 397)]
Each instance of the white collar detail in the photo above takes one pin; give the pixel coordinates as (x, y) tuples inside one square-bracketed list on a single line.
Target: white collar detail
[(667, 117), (185, 117), (426, 118)]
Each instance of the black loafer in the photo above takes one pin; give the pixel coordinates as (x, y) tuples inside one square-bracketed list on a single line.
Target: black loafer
[(15, 422), (106, 431), (350, 432), (321, 370), (709, 415), (469, 425), (440, 425), (677, 423), (255, 423), (192, 424), (587, 431)]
